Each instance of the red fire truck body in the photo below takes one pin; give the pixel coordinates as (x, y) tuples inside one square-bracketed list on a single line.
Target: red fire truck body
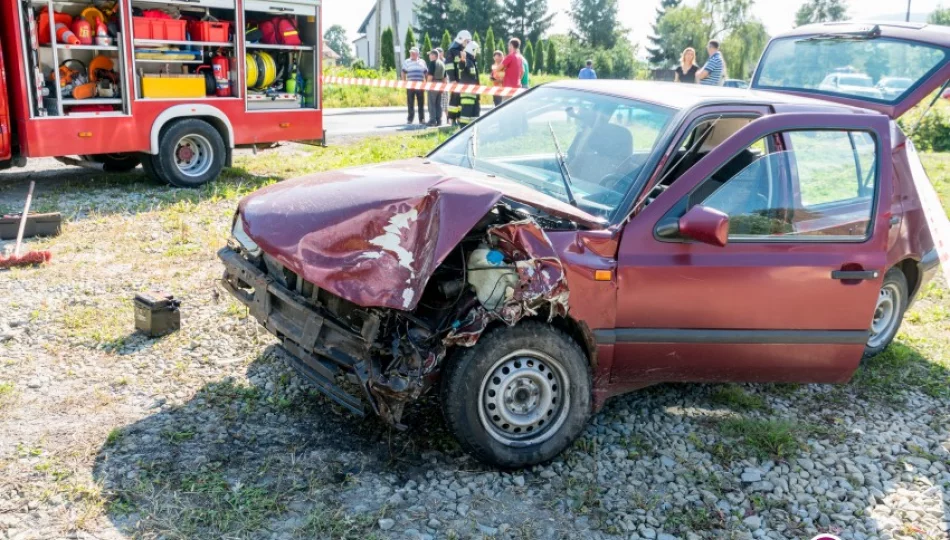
[(175, 137)]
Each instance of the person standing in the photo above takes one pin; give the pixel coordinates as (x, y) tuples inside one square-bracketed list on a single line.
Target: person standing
[(436, 75), (497, 74), (414, 70), (587, 73), (513, 65), (471, 103), (686, 71), (454, 67), (713, 72)]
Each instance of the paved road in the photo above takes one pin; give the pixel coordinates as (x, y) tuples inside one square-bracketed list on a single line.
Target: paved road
[(355, 123)]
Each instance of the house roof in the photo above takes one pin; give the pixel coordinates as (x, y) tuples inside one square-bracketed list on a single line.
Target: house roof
[(330, 53), (362, 29)]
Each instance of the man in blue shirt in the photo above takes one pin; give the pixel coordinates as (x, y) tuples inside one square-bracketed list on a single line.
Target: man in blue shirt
[(713, 72), (588, 72)]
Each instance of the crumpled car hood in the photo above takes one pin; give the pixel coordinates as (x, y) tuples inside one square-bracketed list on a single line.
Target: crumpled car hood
[(372, 235)]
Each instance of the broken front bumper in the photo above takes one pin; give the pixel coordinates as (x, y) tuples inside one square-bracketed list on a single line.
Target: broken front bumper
[(322, 349)]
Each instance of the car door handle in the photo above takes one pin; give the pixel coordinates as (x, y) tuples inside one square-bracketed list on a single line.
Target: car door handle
[(854, 275)]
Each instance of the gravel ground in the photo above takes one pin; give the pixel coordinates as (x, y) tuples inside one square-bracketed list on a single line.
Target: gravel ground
[(208, 434)]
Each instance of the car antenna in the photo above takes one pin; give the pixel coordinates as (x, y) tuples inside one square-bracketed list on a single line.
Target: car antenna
[(562, 166), (929, 107)]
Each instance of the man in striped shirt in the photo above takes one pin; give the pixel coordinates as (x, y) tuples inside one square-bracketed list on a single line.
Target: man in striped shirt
[(713, 73), (414, 69)]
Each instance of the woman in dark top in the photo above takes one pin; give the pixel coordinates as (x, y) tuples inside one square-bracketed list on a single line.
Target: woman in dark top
[(686, 71)]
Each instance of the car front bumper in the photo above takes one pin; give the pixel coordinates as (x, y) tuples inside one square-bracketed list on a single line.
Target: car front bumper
[(321, 349)]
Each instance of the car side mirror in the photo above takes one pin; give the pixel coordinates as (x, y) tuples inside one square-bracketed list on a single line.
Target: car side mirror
[(706, 225)]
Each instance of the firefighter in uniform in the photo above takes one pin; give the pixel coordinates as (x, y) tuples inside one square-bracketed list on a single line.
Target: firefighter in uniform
[(471, 104), (453, 67)]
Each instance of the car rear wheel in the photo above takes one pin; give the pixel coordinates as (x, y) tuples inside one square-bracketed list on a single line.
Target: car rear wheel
[(892, 301), (518, 397), (191, 153)]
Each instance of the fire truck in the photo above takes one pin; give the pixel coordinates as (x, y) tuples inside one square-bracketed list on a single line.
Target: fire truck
[(173, 85)]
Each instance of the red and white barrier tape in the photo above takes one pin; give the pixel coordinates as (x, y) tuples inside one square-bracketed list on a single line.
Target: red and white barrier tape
[(455, 88)]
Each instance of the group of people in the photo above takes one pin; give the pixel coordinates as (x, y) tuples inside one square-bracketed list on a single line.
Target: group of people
[(459, 65), (713, 73)]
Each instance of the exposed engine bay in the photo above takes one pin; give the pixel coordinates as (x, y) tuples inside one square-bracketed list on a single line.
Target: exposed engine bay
[(503, 270)]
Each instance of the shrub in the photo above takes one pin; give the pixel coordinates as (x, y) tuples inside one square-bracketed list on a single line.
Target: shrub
[(933, 133)]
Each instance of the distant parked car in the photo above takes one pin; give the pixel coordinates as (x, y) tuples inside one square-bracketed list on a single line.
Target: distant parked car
[(735, 83), (892, 87), (593, 238), (854, 84)]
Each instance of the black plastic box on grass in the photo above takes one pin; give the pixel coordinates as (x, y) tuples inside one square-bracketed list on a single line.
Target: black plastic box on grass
[(157, 313)]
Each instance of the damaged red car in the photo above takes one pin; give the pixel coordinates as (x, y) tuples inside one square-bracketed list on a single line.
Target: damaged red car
[(591, 238)]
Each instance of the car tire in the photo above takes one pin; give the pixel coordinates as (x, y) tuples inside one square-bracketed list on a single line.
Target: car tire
[(148, 166), (889, 310), (191, 153), (116, 163), (519, 396)]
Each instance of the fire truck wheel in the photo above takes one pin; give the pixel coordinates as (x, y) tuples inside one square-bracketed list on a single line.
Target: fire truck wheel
[(191, 153), (148, 165), (117, 163)]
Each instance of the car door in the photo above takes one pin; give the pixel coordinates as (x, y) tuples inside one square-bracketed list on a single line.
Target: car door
[(784, 305)]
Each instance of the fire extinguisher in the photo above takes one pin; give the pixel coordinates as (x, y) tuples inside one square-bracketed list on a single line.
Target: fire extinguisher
[(219, 64)]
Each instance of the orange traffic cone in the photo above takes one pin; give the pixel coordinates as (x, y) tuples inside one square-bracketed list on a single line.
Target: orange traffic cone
[(65, 35)]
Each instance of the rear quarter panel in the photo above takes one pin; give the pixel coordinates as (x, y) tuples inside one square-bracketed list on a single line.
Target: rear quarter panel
[(914, 239)]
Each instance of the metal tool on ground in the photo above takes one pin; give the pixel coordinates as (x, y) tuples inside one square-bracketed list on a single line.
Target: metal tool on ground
[(29, 258)]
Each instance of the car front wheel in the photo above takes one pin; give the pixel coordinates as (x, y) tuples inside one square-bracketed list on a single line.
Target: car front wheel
[(518, 397), (888, 312)]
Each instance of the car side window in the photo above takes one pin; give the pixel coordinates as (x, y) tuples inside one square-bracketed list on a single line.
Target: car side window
[(820, 189)]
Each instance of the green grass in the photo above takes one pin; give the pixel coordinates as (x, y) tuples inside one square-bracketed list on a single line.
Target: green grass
[(938, 169), (7, 394), (765, 439), (732, 396)]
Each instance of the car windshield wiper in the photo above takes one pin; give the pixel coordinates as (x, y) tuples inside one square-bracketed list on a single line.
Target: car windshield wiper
[(472, 148), (562, 166)]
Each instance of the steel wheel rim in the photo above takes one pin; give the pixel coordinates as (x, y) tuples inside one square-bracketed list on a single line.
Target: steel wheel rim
[(524, 398), (193, 155), (886, 315)]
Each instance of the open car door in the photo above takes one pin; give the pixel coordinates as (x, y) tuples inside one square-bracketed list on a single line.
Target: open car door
[(887, 67), (763, 262)]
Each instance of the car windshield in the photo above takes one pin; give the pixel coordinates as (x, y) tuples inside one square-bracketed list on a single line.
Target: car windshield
[(805, 63), (604, 143)]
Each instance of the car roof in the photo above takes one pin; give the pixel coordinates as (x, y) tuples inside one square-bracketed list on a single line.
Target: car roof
[(688, 96)]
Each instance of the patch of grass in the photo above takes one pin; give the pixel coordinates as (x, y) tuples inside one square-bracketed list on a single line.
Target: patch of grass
[(104, 326), (324, 522), (732, 396), (114, 437), (909, 364), (693, 519), (765, 439), (7, 394), (178, 437)]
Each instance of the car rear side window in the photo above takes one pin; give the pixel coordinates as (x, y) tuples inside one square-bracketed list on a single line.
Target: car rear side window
[(821, 189)]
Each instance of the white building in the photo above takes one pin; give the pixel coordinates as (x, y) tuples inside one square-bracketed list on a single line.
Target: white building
[(365, 45)]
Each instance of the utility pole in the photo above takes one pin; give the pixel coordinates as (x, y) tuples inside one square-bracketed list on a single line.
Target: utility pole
[(379, 34), (396, 35), (908, 11)]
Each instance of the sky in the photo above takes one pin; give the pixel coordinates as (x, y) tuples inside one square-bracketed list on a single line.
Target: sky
[(637, 15)]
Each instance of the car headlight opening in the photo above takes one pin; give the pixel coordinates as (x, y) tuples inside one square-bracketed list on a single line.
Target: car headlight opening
[(242, 239)]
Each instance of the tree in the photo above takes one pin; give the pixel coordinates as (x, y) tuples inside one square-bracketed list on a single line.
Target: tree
[(595, 22), (472, 14), (743, 47), (551, 60), (335, 38), (410, 42), (502, 46), (433, 15), (480, 59), (660, 53), (941, 15), (527, 19), (387, 51), (427, 44), (446, 41), (539, 66), (528, 52), (488, 48), (683, 27), (724, 16), (816, 11)]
